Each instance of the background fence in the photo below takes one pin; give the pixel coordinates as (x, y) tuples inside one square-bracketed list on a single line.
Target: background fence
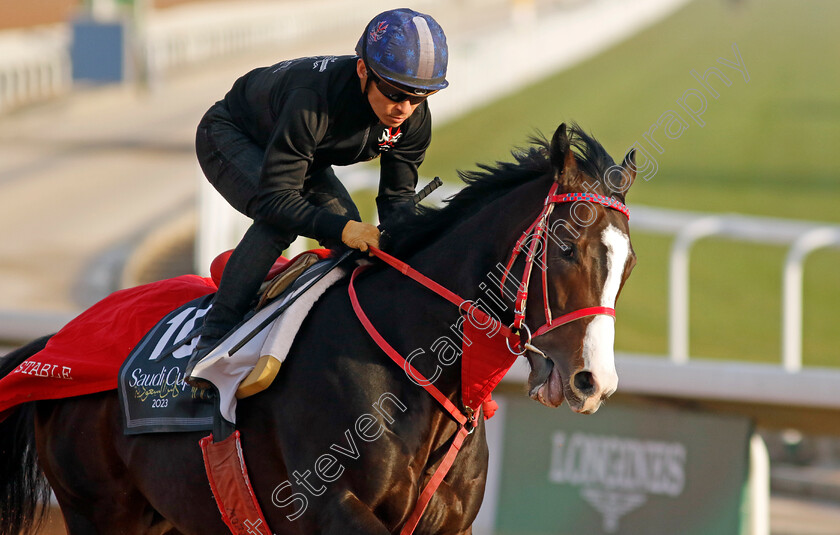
[(34, 65)]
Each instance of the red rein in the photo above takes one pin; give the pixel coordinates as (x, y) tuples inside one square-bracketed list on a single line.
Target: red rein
[(486, 362)]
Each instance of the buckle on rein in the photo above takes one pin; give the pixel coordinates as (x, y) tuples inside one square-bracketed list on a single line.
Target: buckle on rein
[(471, 419), (513, 329)]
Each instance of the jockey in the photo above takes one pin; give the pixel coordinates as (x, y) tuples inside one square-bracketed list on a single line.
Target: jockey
[(268, 147)]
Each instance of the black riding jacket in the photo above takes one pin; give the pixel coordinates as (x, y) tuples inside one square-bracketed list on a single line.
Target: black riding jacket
[(310, 113)]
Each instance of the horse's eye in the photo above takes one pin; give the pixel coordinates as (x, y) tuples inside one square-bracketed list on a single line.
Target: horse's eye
[(566, 250)]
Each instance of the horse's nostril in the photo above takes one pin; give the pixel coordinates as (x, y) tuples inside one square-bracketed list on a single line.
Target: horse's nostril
[(584, 383)]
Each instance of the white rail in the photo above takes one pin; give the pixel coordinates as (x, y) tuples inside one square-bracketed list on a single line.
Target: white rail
[(801, 237), (792, 291), (34, 65), (678, 283)]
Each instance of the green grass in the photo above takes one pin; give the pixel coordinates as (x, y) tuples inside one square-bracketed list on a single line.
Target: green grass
[(761, 138), (767, 148)]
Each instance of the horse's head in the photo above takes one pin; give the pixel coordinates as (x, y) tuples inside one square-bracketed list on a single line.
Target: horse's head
[(586, 258), (581, 258)]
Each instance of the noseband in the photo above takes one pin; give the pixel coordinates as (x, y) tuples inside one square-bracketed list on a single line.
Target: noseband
[(537, 230)]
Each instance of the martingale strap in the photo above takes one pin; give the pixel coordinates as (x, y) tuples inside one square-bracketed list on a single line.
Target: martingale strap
[(472, 403), (394, 354), (444, 466)]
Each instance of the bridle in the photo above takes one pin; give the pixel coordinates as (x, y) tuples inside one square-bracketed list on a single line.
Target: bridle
[(537, 232), (473, 402)]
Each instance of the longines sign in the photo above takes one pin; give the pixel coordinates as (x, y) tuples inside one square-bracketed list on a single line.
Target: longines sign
[(621, 471)]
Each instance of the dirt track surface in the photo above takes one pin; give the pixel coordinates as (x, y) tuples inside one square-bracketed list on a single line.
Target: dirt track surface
[(83, 177), (35, 12)]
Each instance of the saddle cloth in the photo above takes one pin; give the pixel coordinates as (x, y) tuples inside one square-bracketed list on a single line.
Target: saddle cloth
[(84, 357), (153, 394)]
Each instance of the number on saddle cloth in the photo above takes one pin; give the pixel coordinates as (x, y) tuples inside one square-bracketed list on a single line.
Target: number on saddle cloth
[(153, 394)]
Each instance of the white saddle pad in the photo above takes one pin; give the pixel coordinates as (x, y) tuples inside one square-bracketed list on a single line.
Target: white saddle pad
[(226, 371)]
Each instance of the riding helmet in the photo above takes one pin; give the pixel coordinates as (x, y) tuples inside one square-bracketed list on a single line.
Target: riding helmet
[(406, 48)]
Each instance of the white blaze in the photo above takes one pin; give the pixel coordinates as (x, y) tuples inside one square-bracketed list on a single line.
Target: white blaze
[(598, 342)]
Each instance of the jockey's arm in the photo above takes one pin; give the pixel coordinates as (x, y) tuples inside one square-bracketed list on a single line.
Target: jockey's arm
[(301, 125)]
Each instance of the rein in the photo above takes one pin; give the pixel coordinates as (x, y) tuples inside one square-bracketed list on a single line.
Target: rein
[(467, 422)]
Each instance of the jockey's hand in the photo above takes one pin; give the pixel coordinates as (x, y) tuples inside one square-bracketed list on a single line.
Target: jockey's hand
[(360, 235)]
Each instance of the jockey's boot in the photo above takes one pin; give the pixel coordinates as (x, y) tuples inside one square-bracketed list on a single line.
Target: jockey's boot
[(203, 347)]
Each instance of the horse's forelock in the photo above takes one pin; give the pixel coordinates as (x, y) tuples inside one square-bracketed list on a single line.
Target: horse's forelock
[(593, 161)]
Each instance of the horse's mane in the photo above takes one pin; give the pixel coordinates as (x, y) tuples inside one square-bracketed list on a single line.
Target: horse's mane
[(490, 182)]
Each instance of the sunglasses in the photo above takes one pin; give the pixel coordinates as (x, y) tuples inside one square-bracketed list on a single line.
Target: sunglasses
[(396, 95)]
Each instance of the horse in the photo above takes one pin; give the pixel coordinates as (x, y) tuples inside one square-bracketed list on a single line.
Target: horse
[(344, 440)]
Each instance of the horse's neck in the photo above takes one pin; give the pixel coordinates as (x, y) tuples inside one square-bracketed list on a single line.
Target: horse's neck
[(466, 258), (466, 261)]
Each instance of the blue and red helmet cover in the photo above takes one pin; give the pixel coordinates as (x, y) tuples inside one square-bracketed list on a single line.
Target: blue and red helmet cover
[(407, 48)]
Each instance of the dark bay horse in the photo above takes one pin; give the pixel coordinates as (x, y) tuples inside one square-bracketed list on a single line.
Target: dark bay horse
[(343, 441)]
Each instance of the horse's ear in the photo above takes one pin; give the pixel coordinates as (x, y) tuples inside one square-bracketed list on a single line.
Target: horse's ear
[(619, 178), (562, 156), (629, 166)]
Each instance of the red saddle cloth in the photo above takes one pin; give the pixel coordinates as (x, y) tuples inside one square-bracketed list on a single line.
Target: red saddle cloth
[(85, 356)]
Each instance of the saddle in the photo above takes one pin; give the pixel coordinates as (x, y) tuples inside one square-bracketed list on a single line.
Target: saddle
[(281, 275), (286, 274)]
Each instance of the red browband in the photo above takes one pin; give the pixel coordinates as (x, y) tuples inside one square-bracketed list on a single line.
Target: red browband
[(609, 202)]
